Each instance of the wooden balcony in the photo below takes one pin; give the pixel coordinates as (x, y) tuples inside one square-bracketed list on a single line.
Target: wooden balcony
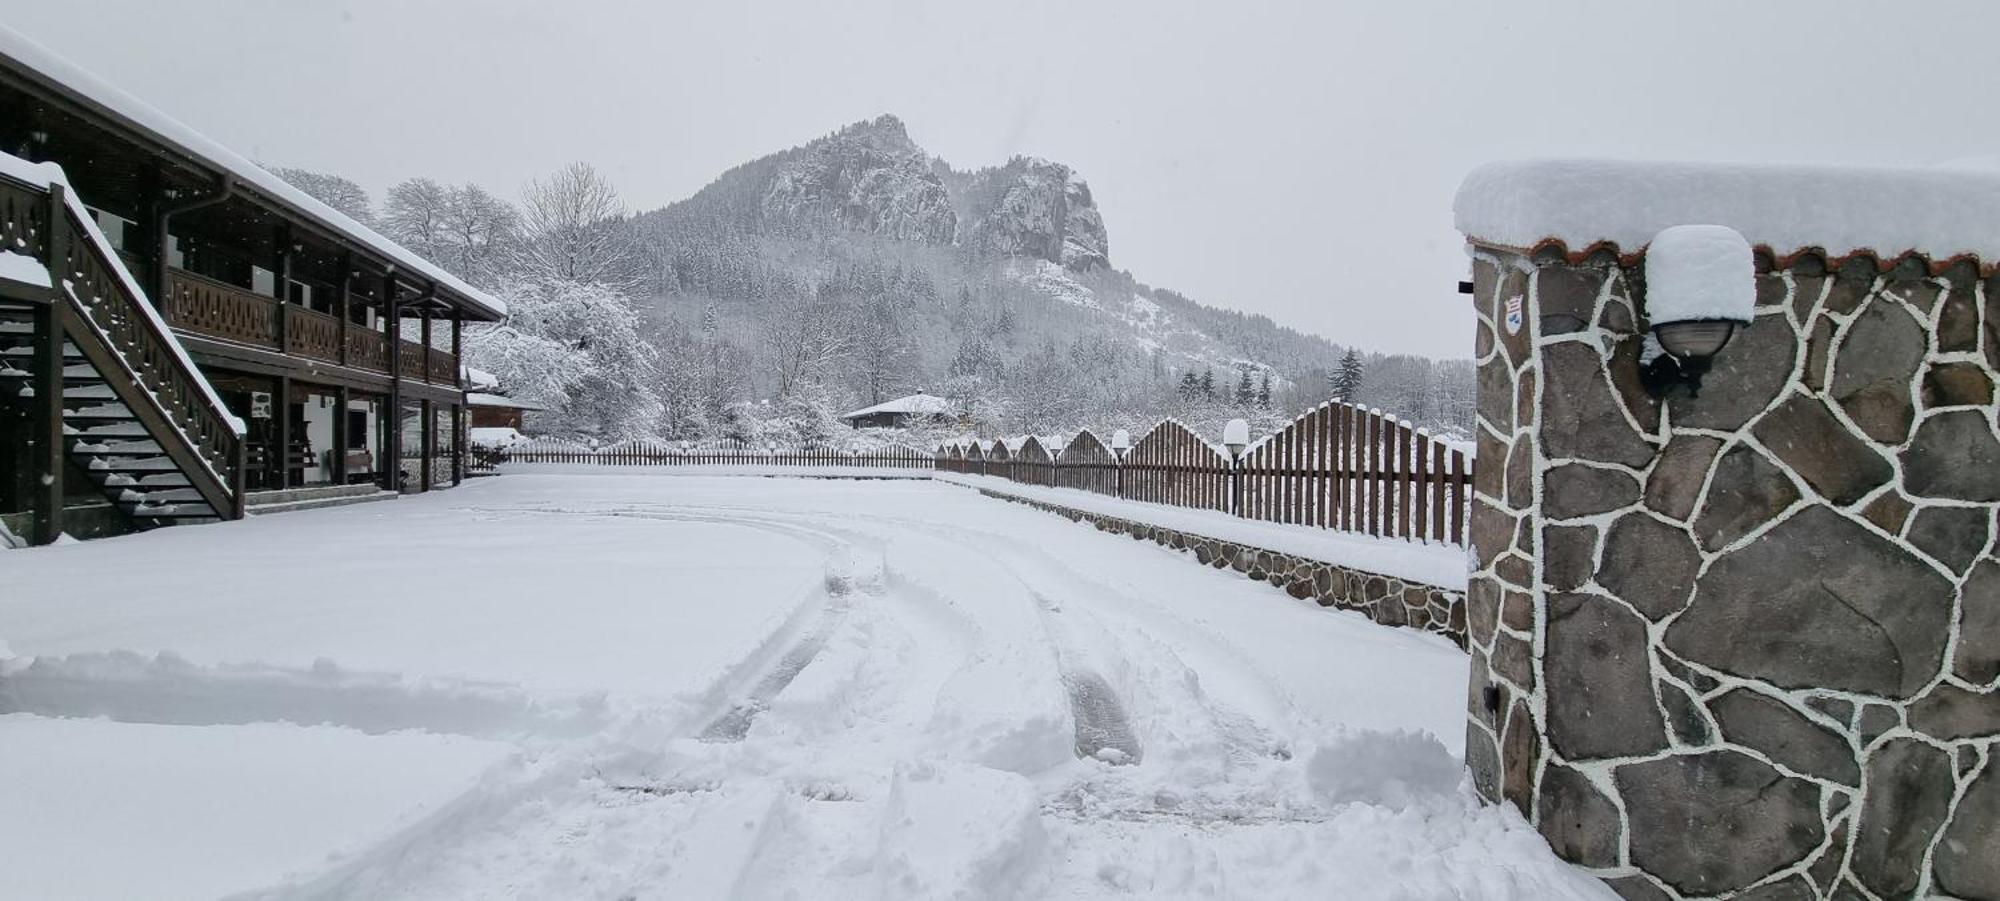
[(212, 309)]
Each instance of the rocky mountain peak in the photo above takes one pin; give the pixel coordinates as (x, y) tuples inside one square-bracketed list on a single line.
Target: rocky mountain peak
[(1032, 207), (868, 176)]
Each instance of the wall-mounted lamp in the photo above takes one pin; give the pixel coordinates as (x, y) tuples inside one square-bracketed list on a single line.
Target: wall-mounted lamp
[(1121, 443), (1701, 283), (1236, 437)]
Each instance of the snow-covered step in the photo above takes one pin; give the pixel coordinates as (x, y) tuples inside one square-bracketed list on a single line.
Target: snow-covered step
[(99, 411), (160, 496), (97, 391), (315, 503), (119, 447), (69, 352), (109, 430), (133, 464), (172, 511)]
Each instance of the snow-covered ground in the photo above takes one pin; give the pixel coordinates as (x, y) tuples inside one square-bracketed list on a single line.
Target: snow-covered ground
[(632, 685)]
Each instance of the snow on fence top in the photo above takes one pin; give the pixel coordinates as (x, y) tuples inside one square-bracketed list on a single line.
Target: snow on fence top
[(35, 59), (1941, 213)]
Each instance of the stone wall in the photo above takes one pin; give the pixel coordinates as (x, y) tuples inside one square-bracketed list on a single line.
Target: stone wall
[(1385, 599), (1745, 644)]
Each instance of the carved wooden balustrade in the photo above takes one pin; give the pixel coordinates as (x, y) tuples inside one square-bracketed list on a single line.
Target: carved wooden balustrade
[(312, 334), (204, 306)]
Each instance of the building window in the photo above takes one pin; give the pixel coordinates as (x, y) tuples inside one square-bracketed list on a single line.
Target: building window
[(117, 229)]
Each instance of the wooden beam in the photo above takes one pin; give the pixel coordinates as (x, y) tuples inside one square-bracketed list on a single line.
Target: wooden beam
[(340, 436), (282, 408), (343, 291), (45, 469), (281, 289), (392, 437), (429, 413)]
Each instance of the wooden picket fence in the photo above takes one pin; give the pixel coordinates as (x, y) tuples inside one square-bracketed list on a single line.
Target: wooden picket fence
[(647, 452), (1337, 466)]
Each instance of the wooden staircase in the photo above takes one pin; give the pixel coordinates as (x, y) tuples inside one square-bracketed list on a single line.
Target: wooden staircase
[(91, 369)]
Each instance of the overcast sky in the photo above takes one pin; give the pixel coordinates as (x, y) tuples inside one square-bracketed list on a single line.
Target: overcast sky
[(1292, 159)]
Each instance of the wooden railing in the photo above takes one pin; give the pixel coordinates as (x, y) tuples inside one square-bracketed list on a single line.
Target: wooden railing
[(312, 334), (367, 349), (442, 367), (204, 306), (411, 359), (112, 324), (1336, 467)]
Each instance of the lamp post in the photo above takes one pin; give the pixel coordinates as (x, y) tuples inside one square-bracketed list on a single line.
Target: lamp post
[(1236, 437), (1121, 445)]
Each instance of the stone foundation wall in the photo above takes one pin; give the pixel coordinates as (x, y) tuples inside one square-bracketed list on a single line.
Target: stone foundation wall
[(1745, 644), (1385, 599)]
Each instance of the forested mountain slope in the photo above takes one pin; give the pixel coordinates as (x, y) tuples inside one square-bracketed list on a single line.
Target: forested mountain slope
[(859, 263)]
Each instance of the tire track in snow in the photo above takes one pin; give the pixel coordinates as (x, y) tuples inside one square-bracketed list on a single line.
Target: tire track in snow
[(848, 575), (1102, 726), (1029, 564)]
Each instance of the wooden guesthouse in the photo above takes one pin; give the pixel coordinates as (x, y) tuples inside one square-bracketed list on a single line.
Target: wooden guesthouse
[(184, 336)]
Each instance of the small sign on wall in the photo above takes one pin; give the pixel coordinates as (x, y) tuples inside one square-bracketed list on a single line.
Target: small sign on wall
[(1514, 316), (260, 405)]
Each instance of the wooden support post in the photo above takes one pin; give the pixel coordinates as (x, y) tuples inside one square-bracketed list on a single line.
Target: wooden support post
[(282, 408), (429, 413), (150, 244), (46, 485), (457, 443), (281, 277), (340, 436), (45, 470), (343, 307), (392, 430)]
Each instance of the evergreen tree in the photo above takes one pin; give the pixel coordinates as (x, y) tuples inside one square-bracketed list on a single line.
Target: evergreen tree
[(1264, 391), (1245, 392), (1208, 384), (1190, 386), (1346, 382)]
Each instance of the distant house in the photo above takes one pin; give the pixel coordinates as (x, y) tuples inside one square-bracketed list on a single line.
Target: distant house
[(489, 404), (899, 413)]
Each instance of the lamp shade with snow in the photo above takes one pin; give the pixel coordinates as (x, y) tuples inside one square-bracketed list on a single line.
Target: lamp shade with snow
[(1701, 283), (1121, 441), (1236, 436)]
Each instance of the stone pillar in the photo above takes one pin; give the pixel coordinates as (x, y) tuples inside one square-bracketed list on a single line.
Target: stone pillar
[(1748, 643)]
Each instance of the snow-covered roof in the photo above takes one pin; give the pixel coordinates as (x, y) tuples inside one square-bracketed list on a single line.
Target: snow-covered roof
[(482, 399), (477, 379), (498, 437), (1940, 213), (37, 60), (918, 403)]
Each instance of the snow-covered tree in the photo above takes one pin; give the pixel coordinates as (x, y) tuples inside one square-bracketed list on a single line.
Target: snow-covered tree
[(340, 193), (574, 228), (1347, 381), (574, 348)]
